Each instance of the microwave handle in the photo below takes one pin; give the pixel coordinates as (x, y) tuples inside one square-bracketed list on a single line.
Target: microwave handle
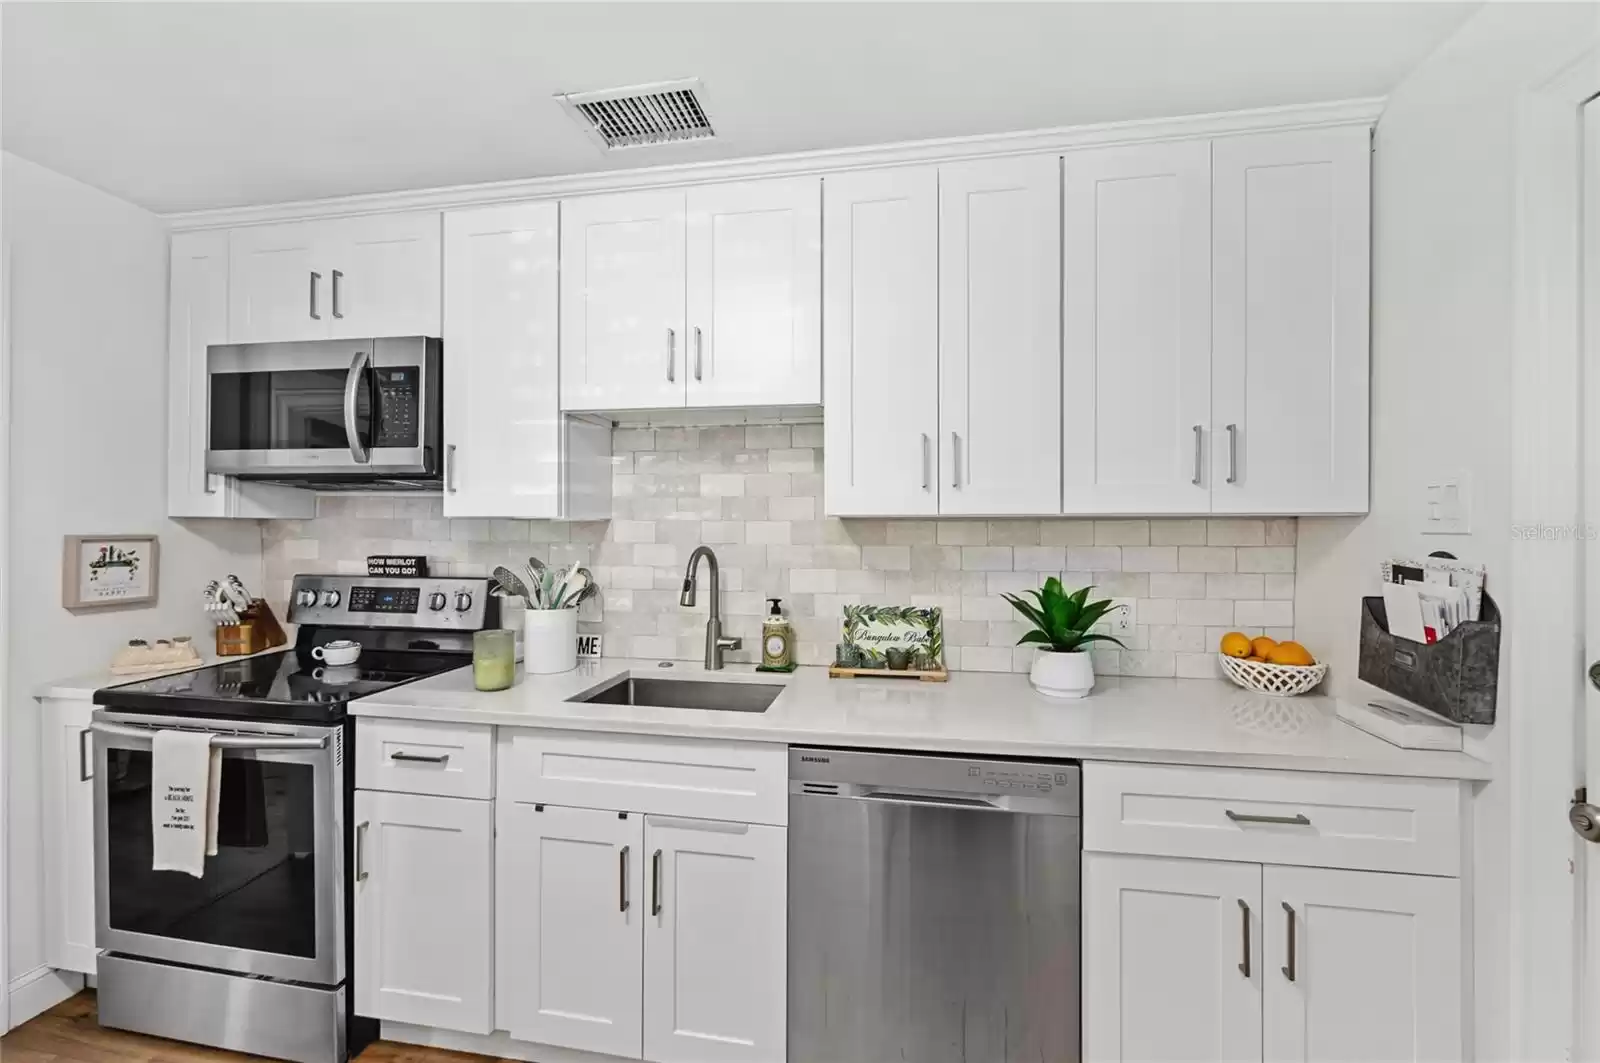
[(352, 382)]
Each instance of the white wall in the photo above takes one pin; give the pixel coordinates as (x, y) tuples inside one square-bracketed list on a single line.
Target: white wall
[(1442, 327), (88, 455)]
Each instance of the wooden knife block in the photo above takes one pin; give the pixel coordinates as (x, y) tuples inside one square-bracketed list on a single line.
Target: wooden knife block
[(256, 630)]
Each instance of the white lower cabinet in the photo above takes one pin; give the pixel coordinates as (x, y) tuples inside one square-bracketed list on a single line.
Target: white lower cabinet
[(68, 764), (424, 884)]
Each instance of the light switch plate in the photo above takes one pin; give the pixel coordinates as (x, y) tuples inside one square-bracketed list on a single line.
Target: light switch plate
[(1447, 504), (1122, 617)]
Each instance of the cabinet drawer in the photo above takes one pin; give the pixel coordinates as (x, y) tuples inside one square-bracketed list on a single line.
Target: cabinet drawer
[(738, 781), (1274, 817), (446, 759)]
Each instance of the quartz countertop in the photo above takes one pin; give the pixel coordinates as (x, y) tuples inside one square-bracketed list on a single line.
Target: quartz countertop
[(1162, 721), (82, 687)]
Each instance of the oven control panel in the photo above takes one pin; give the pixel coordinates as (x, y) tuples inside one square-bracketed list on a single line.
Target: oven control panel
[(428, 603)]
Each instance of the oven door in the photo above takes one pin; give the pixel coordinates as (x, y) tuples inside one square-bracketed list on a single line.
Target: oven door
[(321, 408), (271, 901)]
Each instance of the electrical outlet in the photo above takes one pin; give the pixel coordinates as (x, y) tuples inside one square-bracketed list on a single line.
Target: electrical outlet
[(1122, 616)]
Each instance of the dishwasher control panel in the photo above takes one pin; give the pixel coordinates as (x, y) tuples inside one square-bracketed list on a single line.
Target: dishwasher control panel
[(920, 778), (1003, 779)]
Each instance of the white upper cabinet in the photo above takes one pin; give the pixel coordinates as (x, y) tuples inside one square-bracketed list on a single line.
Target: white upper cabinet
[(1136, 358), (715, 981), (197, 317), (383, 277), (1361, 966), (278, 284), (880, 241), (1290, 255), (755, 293), (622, 302), (502, 425), (1000, 337)]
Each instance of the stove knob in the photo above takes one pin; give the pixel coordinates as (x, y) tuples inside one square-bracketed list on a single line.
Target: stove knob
[(436, 601), (331, 599), (463, 601), (306, 598)]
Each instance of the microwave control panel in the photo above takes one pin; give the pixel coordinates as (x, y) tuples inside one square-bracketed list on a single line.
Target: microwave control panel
[(399, 391)]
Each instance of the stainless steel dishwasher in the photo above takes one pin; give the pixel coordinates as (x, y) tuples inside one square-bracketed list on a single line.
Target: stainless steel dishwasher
[(933, 909)]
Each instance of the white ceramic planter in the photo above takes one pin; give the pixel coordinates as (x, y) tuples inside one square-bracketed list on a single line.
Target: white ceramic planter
[(549, 640), (1062, 675)]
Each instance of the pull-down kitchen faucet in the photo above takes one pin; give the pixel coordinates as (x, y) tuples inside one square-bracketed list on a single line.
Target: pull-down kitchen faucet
[(715, 642)]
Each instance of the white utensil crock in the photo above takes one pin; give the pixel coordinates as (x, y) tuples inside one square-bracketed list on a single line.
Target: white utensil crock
[(549, 640), (1062, 675)]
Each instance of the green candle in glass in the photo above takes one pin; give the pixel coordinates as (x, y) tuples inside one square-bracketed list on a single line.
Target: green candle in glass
[(494, 659)]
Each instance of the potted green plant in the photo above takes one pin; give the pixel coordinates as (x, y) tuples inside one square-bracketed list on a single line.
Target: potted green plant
[(1061, 622)]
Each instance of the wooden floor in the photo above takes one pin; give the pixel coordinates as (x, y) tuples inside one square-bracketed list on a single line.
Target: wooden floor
[(68, 1033)]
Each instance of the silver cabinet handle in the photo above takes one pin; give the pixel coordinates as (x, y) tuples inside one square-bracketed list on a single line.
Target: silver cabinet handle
[(1296, 820), (1244, 928), (672, 354), (699, 351), (655, 883), (955, 460), (1233, 453), (85, 771), (421, 758), (337, 277), (316, 278), (1289, 968), (210, 488), (1198, 433), (361, 851), (622, 880), (450, 468), (352, 387), (926, 468)]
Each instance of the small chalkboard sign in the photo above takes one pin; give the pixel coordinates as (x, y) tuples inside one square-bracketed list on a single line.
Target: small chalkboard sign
[(397, 565)]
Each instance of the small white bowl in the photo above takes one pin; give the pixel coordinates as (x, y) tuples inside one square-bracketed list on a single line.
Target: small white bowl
[(340, 652)]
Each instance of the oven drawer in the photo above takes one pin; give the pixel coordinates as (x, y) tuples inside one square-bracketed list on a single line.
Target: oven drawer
[(742, 782), (411, 757), (1274, 817)]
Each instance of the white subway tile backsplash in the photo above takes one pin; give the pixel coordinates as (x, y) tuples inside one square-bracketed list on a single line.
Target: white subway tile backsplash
[(1094, 558), (1013, 532), (1039, 558), (1122, 533), (886, 558), (1261, 614), (963, 533), (1206, 559), (1150, 558), (1236, 533), (1234, 585), (803, 508), (1266, 558), (986, 558)]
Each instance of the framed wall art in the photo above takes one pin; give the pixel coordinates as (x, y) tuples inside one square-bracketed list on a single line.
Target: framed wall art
[(109, 571)]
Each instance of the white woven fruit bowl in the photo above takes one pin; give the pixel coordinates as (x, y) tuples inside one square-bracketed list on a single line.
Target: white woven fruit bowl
[(1279, 680)]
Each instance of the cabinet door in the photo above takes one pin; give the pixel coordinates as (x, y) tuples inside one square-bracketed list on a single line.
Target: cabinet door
[(1000, 337), (755, 293), (715, 973), (502, 424), (278, 284), (1137, 353), (880, 342), (1361, 966), (384, 276), (1171, 959), (424, 910), (1291, 218), (622, 302), (571, 916), (68, 763), (197, 317)]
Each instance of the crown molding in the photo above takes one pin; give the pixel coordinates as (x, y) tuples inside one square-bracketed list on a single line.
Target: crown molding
[(953, 149)]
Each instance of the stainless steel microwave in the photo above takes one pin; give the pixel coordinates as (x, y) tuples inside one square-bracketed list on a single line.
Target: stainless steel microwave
[(327, 413)]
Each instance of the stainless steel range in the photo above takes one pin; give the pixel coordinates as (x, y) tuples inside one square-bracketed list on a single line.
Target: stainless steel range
[(257, 955)]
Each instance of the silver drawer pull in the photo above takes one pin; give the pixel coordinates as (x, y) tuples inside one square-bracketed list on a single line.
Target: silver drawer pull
[(1296, 820), (421, 758), (361, 851), (1244, 926)]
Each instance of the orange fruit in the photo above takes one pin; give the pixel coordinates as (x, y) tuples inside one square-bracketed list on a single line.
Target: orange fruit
[(1258, 660), (1261, 646), (1236, 644), (1290, 653)]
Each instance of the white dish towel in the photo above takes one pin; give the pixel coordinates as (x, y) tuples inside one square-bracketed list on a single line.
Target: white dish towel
[(185, 790)]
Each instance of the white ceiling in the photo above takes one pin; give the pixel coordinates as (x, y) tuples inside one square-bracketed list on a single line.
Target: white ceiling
[(187, 106)]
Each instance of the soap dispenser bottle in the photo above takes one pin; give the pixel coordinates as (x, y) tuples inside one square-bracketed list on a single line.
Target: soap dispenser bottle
[(777, 640)]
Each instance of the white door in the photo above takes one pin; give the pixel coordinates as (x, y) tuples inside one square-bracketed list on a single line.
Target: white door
[(571, 916), (1171, 959), (1136, 393), (68, 760), (880, 342), (502, 421), (278, 283), (755, 293), (1361, 966), (197, 317), (424, 882), (1000, 336), (1290, 262), (715, 974), (1588, 854), (384, 275), (622, 302)]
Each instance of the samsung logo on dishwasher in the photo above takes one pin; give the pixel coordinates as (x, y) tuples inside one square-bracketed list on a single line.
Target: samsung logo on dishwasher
[(806, 758)]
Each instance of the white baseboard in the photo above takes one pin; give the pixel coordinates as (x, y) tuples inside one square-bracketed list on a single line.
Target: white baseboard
[(498, 1044), (40, 990)]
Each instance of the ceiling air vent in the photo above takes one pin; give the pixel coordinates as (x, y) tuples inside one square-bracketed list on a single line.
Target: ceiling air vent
[(666, 112)]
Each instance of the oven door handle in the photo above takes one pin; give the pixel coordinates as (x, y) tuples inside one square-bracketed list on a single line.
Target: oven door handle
[(220, 741), (352, 384)]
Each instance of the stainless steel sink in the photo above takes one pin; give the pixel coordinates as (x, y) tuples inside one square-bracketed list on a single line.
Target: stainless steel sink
[(687, 694)]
